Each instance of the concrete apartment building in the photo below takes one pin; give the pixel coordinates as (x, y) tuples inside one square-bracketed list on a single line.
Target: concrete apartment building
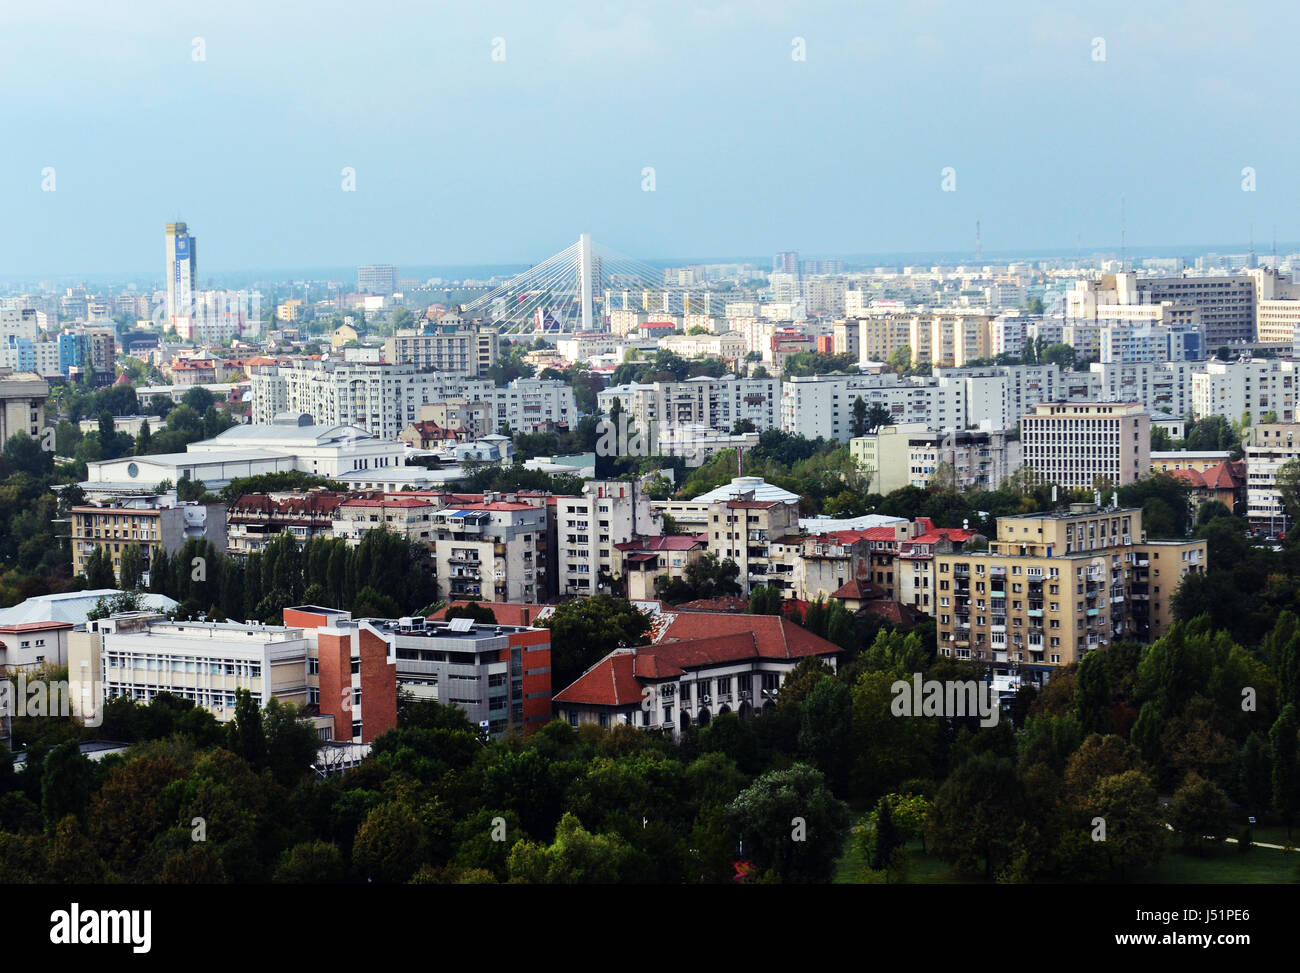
[(384, 399), (1160, 386), (496, 550), (939, 337), (718, 403), (1271, 445), (589, 528), (1254, 389), (912, 455), (22, 404), (151, 522), (410, 517), (647, 559), (1055, 586), (822, 405), (744, 530), (466, 351), (1078, 444), (473, 416)]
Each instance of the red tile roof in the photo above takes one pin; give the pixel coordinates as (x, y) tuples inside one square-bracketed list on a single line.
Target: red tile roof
[(610, 682), (776, 637), (617, 680)]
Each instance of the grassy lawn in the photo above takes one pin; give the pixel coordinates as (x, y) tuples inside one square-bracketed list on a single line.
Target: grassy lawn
[(1226, 865)]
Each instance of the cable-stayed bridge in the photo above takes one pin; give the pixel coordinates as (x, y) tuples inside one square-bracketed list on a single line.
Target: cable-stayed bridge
[(575, 289)]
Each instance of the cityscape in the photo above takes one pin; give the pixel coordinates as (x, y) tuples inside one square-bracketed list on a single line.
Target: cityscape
[(570, 554)]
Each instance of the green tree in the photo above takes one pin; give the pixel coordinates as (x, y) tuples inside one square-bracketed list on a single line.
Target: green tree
[(790, 823), (1286, 766), (66, 783), (885, 836), (390, 845), (974, 814), (585, 630), (1200, 813), (246, 736)]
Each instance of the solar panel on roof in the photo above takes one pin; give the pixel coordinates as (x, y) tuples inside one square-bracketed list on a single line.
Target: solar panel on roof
[(461, 625)]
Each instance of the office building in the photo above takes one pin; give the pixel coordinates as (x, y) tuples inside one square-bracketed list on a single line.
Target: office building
[(1079, 445), (379, 279)]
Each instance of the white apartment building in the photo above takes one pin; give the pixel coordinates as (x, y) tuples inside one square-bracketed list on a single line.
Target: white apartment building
[(1254, 388), (532, 404), (718, 403), (1271, 445), (386, 398), (22, 404), (588, 527), (1160, 386), (822, 405), (1075, 444)]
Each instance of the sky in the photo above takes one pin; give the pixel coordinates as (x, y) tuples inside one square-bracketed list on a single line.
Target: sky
[(461, 157)]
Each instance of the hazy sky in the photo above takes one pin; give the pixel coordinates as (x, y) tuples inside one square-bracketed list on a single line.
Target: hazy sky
[(462, 159)]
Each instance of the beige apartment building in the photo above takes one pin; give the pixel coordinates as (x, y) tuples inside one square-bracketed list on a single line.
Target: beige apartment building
[(952, 337), (1079, 444), (1057, 585), (465, 350), (149, 522), (744, 530)]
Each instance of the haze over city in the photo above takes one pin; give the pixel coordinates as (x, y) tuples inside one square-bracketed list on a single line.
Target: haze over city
[(462, 159)]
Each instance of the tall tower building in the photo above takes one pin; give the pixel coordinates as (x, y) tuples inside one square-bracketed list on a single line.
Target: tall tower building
[(182, 272)]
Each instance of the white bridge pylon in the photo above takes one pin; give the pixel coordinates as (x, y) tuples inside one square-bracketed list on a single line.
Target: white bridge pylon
[(575, 289)]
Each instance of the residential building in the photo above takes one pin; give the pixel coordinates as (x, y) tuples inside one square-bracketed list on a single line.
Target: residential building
[(1056, 585), (1078, 445), (496, 550), (589, 528), (151, 522), (467, 350), (647, 559), (257, 518), (1249, 390), (1270, 446)]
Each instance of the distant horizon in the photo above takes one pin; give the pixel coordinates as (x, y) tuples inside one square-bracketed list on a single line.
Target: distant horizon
[(855, 263)]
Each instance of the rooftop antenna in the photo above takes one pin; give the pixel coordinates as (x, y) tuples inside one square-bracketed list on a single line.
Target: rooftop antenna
[(979, 247), (740, 460), (1253, 260)]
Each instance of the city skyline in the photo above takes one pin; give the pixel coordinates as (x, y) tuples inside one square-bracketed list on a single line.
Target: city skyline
[(1047, 146)]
